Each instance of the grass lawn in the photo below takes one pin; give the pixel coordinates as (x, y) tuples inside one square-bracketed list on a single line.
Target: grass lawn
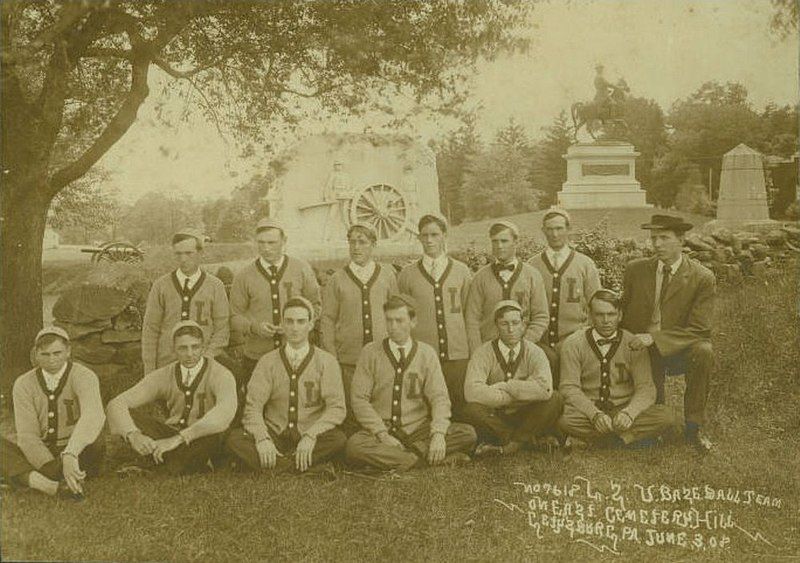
[(469, 512)]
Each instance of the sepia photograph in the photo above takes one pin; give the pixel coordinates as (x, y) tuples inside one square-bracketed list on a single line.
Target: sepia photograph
[(381, 280)]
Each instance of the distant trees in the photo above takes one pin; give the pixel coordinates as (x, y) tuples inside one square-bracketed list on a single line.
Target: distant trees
[(548, 169), (680, 153)]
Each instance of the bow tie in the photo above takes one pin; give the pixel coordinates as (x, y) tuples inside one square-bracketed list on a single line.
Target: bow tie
[(605, 341), (503, 267)]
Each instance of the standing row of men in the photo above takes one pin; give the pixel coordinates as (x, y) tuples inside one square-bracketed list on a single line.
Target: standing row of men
[(400, 354)]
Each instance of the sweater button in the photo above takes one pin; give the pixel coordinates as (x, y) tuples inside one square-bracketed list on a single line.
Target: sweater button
[(291, 393), (552, 318), (51, 414), (555, 290), (52, 397), (51, 430), (438, 298), (186, 298), (187, 393), (274, 295), (182, 421), (291, 425), (395, 402), (291, 409), (555, 276), (397, 388)]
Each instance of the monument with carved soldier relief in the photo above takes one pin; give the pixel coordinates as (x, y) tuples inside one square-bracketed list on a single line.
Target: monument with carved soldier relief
[(602, 172)]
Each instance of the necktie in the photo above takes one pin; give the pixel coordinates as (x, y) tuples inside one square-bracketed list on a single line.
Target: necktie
[(555, 261), (273, 270), (402, 351), (499, 268), (186, 285), (434, 271), (187, 377), (665, 275), (511, 357), (605, 341)]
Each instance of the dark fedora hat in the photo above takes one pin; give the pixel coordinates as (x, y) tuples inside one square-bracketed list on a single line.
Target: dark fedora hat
[(667, 223)]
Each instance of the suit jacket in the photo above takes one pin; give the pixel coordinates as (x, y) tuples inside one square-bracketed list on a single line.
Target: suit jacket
[(687, 308)]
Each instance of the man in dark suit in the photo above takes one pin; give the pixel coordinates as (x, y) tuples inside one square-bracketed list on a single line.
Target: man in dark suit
[(668, 303)]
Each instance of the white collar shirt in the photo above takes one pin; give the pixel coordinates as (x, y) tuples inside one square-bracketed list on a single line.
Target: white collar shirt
[(395, 348), (505, 349), (435, 266), (606, 346), (51, 380), (188, 375), (557, 257), (182, 278), (267, 265), (363, 273), (297, 355)]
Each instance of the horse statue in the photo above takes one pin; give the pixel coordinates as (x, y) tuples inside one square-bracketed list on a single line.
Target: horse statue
[(602, 117)]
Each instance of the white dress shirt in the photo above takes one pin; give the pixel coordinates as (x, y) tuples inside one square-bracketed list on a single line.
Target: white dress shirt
[(605, 347), (506, 274), (183, 277), (505, 350), (51, 380), (655, 321), (297, 355), (188, 375), (363, 273), (395, 348), (557, 257), (435, 266), (267, 265)]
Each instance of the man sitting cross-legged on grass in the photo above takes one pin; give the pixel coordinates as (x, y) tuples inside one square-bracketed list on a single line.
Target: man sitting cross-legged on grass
[(400, 399), (295, 401), (200, 396), (608, 387), (58, 415), (509, 388)]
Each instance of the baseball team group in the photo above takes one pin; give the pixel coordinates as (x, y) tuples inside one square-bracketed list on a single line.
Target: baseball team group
[(381, 368)]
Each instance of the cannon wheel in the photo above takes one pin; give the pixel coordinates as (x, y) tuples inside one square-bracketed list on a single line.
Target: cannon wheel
[(383, 207), (119, 252)]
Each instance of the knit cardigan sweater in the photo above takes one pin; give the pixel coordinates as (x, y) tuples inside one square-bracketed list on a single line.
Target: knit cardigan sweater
[(69, 417), (206, 303), (418, 387), (440, 307), (524, 286)]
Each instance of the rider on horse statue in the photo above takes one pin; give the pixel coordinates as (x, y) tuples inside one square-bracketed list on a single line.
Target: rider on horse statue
[(605, 111)]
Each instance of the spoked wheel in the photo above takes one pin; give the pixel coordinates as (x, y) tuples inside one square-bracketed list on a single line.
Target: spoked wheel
[(119, 252), (383, 207)]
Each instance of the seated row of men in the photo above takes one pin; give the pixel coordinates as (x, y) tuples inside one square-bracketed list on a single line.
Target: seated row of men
[(295, 401)]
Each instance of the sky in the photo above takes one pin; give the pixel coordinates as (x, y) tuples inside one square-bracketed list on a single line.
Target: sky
[(665, 49)]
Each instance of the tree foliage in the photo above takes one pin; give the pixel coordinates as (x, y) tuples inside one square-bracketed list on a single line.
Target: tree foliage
[(452, 157), (86, 204), (76, 72), (497, 183), (548, 168)]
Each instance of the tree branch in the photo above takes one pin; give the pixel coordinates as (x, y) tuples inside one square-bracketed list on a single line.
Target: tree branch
[(184, 74), (116, 128), (108, 52)]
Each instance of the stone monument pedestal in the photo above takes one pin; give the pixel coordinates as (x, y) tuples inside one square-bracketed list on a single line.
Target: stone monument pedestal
[(601, 174)]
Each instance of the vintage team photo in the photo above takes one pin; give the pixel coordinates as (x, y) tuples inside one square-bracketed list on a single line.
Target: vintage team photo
[(345, 280)]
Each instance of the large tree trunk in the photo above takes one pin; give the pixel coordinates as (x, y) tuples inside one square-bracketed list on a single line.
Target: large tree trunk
[(24, 212)]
